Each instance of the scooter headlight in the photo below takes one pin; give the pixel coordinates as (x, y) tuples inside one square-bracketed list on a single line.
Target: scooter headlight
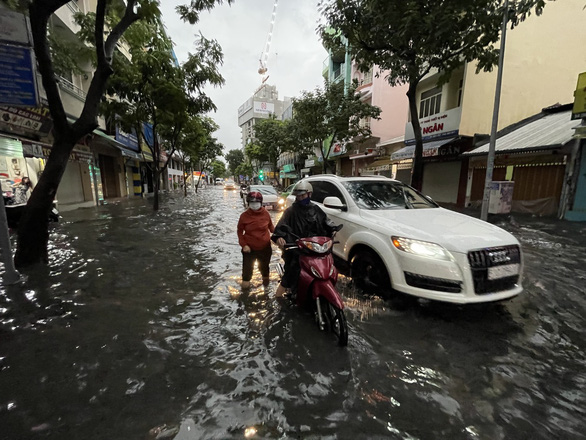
[(422, 248), (318, 248)]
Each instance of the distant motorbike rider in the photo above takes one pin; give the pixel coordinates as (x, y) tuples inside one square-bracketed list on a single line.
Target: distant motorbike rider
[(304, 219), (254, 235)]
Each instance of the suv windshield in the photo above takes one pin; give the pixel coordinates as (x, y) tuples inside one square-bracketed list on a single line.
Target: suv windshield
[(386, 195)]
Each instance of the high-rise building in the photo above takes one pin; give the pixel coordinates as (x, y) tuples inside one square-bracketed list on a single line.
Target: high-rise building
[(263, 103)]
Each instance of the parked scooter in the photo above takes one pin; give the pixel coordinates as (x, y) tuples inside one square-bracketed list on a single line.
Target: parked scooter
[(316, 288)]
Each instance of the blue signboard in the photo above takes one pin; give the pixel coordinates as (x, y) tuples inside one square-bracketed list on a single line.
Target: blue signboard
[(147, 131), (127, 139), (17, 77)]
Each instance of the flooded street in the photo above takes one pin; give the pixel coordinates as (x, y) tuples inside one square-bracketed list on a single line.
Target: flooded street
[(138, 329)]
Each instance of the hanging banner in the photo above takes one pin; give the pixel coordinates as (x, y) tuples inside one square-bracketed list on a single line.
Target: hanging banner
[(14, 27), (18, 86), (36, 119)]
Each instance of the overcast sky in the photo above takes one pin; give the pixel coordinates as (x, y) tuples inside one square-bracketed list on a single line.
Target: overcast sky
[(295, 58)]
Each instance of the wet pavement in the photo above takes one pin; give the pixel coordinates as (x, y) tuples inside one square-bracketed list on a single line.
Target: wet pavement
[(138, 329)]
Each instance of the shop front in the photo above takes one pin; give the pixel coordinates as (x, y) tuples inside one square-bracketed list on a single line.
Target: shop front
[(288, 175), (534, 155), (444, 170), (21, 157)]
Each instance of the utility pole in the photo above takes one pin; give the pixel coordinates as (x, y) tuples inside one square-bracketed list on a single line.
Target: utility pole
[(495, 118)]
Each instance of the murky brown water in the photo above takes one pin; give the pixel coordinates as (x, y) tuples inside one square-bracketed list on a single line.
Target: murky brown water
[(138, 328)]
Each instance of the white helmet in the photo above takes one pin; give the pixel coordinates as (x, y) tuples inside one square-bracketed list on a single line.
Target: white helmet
[(301, 188)]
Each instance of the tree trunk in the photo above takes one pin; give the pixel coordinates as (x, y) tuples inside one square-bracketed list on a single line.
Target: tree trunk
[(156, 178), (33, 233), (184, 181), (417, 174)]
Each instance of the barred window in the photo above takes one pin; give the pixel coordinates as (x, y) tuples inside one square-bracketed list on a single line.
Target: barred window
[(430, 102)]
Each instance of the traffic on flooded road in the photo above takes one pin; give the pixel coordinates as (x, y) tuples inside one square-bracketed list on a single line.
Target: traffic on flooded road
[(139, 328)]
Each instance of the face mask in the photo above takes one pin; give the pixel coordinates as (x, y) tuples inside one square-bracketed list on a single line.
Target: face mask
[(255, 206), (305, 201)]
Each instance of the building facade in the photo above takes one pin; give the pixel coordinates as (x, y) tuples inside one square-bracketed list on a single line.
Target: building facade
[(543, 57)]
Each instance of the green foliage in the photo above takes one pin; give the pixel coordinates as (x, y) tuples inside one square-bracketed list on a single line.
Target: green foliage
[(412, 38), (273, 137), (255, 152), (244, 169), (66, 55), (218, 168), (235, 158), (332, 112), (191, 12)]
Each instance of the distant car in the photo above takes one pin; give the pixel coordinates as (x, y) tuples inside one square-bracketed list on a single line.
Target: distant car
[(395, 237), (270, 197), (229, 185), (219, 181)]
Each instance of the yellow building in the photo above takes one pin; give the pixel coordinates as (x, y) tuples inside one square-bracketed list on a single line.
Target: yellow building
[(543, 57)]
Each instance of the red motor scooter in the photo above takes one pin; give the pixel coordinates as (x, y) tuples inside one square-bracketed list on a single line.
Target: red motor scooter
[(316, 287)]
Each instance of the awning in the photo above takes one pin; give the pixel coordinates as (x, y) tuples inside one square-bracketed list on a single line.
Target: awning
[(10, 147), (123, 149), (41, 150), (429, 149), (363, 155), (380, 165), (549, 132)]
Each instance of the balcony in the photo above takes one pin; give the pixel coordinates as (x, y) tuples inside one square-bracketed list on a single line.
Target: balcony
[(66, 14), (72, 96)]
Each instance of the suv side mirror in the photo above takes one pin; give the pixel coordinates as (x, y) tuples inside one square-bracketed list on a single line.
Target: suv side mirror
[(335, 203)]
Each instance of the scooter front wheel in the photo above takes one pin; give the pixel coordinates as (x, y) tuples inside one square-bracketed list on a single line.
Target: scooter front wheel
[(336, 321)]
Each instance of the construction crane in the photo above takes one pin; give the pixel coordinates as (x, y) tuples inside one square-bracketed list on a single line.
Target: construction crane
[(265, 54)]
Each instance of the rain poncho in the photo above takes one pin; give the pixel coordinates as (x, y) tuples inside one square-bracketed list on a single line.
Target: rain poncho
[(305, 221)]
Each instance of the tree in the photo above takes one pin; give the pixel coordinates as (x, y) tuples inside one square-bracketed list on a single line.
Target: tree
[(244, 169), (332, 113), (154, 88), (413, 38), (188, 141), (256, 156), (204, 148), (234, 159), (33, 232), (273, 138), (218, 168)]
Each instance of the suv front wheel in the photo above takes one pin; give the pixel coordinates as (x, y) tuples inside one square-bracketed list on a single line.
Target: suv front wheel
[(369, 272)]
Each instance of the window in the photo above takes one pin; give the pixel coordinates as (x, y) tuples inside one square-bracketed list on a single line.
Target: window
[(461, 85), (321, 190), (430, 102), (386, 195)]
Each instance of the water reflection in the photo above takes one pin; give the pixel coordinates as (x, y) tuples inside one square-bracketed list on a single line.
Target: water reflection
[(139, 328)]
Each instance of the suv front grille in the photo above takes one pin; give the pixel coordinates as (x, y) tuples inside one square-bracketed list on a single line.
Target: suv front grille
[(482, 259)]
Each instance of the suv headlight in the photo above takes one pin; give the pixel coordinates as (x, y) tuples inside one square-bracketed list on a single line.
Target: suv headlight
[(422, 248)]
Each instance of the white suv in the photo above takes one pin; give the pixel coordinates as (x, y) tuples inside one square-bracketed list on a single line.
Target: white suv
[(394, 236)]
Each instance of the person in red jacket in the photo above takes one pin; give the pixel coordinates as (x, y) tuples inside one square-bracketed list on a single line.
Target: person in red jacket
[(254, 235)]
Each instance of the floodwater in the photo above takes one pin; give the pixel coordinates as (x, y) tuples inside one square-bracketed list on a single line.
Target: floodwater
[(138, 329)]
